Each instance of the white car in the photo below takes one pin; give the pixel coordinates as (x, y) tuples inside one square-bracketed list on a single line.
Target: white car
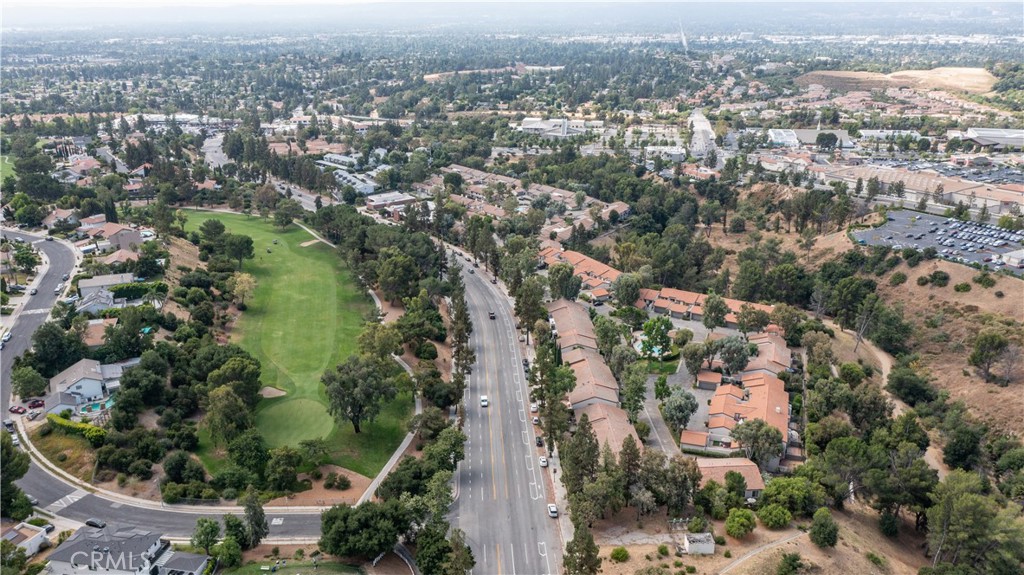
[(483, 401), (536, 421), (534, 407), (543, 461), (552, 510)]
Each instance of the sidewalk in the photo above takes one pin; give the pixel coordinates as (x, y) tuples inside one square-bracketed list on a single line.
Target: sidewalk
[(565, 527), (8, 321)]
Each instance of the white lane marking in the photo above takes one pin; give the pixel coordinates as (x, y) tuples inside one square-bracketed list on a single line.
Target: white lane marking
[(277, 521), (542, 549), (513, 550)]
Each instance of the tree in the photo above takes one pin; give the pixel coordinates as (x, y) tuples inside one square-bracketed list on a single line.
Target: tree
[(238, 247), (27, 382), (627, 289), (634, 389), (12, 557), (364, 531), (234, 528), (229, 553), (580, 457), (761, 442), (774, 516), (281, 468), (397, 274), (678, 408), (357, 389), (242, 374), (288, 210), (529, 302), (13, 466), (682, 338), (460, 559), (740, 523), (735, 354), (826, 140), (824, 531), (581, 554), (609, 334), (656, 341), (715, 311), (799, 495), (205, 534), (661, 388), (249, 451), (564, 283), (807, 241), (988, 346), (432, 549), (693, 357), (227, 416), (256, 527), (751, 319), (243, 287)]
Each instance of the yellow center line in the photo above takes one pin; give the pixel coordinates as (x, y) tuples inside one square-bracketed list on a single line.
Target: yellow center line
[(497, 550)]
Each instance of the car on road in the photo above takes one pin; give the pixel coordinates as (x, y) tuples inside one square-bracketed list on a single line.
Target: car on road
[(9, 425), (32, 500), (536, 421), (17, 409), (491, 315), (534, 407), (472, 272), (97, 523), (33, 291), (36, 403), (7, 337), (552, 510), (65, 277), (483, 401), (15, 441), (543, 461), (49, 238)]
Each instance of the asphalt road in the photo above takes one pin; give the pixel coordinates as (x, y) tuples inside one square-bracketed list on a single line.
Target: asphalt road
[(502, 494), (36, 309), (905, 226)]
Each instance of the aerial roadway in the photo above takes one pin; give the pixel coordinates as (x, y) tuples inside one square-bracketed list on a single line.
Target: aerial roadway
[(501, 492)]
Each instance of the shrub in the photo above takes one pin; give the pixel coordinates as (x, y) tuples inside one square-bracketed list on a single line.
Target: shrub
[(332, 477), (620, 555), (740, 523), (677, 563), (143, 469), (643, 430), (878, 561), (923, 280), (663, 550), (698, 524), (229, 493), (426, 350), (939, 278), (898, 278), (95, 435), (719, 540), (888, 524), (691, 569), (299, 554), (275, 551), (737, 225), (774, 516), (790, 564), (122, 479), (138, 289), (342, 483), (962, 287), (985, 280), (727, 554), (316, 473), (62, 457), (999, 294), (824, 531)]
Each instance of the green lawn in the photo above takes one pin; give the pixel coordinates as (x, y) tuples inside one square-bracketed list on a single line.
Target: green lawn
[(6, 167), (304, 567), (304, 319)]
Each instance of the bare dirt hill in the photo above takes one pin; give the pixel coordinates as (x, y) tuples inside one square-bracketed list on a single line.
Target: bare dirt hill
[(971, 80)]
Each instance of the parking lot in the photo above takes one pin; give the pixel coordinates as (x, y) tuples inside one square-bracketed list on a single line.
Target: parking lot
[(964, 242)]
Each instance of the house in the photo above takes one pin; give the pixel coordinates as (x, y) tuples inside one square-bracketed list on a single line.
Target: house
[(386, 200), (761, 396), (99, 301), (600, 294), (694, 439), (571, 325), (117, 550), (96, 332), (91, 222), (699, 544), (28, 537), (611, 425), (117, 236), (60, 217), (773, 356), (713, 468), (92, 285), (121, 257), (595, 382), (87, 381)]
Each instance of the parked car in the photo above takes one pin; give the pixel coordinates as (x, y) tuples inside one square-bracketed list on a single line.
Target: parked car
[(97, 523), (494, 281), (534, 407), (540, 441), (17, 409), (552, 510), (33, 414), (65, 277), (536, 421), (36, 403), (33, 291), (543, 461), (32, 500), (49, 528), (7, 337)]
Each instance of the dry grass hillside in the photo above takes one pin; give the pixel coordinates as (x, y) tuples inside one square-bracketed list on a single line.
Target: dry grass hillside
[(946, 323), (971, 80)]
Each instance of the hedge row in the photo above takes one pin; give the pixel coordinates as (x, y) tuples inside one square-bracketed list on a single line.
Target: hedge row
[(95, 435), (137, 290)]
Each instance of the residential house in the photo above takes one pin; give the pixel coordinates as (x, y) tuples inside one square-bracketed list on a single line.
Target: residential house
[(773, 356), (95, 284), (60, 217), (87, 381), (714, 469), (595, 382), (381, 201), (112, 236), (759, 396), (28, 537), (99, 301), (121, 256), (709, 380), (571, 325), (116, 550), (91, 222), (611, 425)]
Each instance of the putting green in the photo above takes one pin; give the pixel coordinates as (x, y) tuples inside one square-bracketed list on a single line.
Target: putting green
[(304, 318)]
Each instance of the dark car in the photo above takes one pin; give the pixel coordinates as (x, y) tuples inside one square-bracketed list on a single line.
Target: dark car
[(49, 528), (490, 314), (97, 523), (540, 441), (65, 277), (494, 281), (36, 403)]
